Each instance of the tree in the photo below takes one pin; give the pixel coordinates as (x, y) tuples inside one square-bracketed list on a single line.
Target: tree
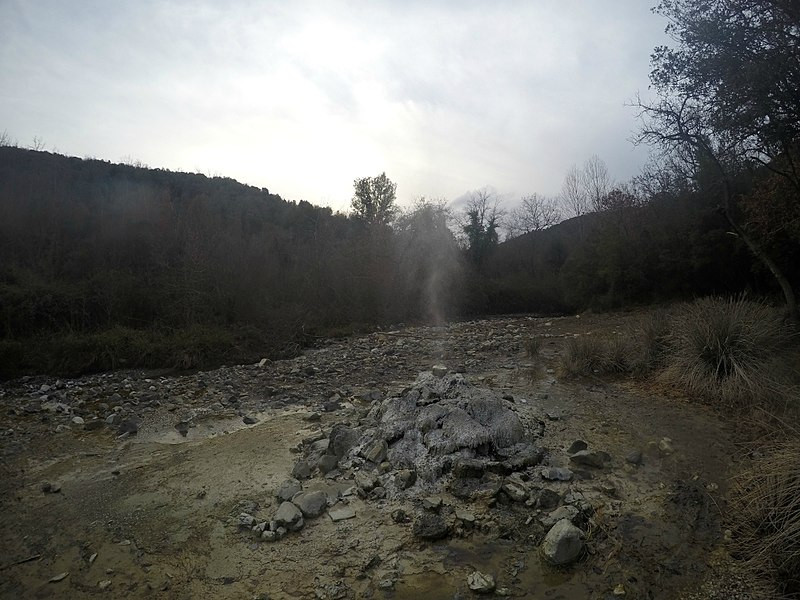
[(727, 98), (481, 224), (585, 187), (534, 213), (374, 200)]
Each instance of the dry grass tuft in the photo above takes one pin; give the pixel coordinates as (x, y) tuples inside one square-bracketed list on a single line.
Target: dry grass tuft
[(765, 515), (533, 345), (585, 355), (730, 351)]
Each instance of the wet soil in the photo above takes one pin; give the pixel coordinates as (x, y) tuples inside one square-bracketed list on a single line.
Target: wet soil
[(155, 514)]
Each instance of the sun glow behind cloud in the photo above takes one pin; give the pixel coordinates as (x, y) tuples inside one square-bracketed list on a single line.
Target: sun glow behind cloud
[(303, 97)]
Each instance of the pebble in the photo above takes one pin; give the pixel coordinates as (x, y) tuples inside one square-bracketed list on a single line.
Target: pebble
[(481, 583)]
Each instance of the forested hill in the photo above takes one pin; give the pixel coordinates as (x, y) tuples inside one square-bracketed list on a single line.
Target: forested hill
[(107, 265)]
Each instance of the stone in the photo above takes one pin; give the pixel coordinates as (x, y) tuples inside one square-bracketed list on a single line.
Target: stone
[(548, 499), (439, 370), (430, 526), (557, 474), (301, 470), (289, 516), (246, 521), (378, 493), (563, 544), (634, 457), (327, 463), (94, 424), (249, 420), (312, 417), (590, 458), (77, 420), (128, 426), (465, 516), (376, 451), (366, 481), (341, 513), (577, 446), (565, 512), (665, 446), (342, 438), (400, 516), (269, 536), (432, 503), (288, 489), (311, 504), (469, 467), (105, 584), (405, 478), (515, 490), (481, 583), (51, 488)]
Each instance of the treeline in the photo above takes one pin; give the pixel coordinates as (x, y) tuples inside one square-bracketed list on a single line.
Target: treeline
[(108, 265)]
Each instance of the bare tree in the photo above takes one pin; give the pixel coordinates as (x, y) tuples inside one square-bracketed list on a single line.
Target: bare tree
[(534, 213), (481, 223), (573, 193), (597, 182)]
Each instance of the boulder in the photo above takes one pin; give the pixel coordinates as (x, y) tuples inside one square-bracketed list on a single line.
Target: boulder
[(289, 516), (563, 544), (311, 504), (590, 458), (288, 489), (481, 583), (341, 439), (430, 526)]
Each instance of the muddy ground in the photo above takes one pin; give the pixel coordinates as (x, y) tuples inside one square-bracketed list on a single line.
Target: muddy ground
[(130, 485)]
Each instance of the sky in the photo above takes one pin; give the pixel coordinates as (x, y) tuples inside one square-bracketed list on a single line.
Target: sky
[(302, 97)]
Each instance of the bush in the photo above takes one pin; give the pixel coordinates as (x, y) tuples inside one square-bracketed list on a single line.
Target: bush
[(730, 351), (650, 342), (584, 355), (765, 516), (533, 345)]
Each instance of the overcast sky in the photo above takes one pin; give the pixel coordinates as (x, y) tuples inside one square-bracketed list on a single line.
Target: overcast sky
[(302, 97)]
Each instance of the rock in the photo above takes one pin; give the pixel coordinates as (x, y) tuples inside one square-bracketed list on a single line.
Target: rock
[(481, 583), (400, 516), (246, 521), (665, 446), (555, 414), (249, 420), (128, 426), (183, 427), (465, 516), (269, 536), (405, 478), (548, 499), (565, 512), (430, 526), (634, 457), (289, 516), (557, 474), (563, 544), (341, 439), (301, 470), (378, 493), (469, 467), (51, 488), (94, 424), (341, 513), (432, 503), (327, 463), (515, 490), (288, 489), (77, 420), (619, 590), (105, 584), (590, 458), (312, 417), (311, 504), (439, 370), (577, 446), (366, 481), (59, 577), (376, 451)]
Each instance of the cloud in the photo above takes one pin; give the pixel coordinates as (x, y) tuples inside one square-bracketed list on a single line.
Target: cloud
[(304, 97)]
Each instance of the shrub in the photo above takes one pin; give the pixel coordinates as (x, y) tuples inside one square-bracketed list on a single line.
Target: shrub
[(650, 342), (729, 351), (584, 355), (765, 516)]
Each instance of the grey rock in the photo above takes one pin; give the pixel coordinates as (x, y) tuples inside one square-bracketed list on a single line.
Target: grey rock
[(378, 492), (249, 420), (289, 516), (557, 474), (246, 521), (430, 526), (432, 503), (288, 489), (405, 478), (465, 516), (481, 583), (439, 370), (342, 438), (590, 458), (341, 513), (515, 490), (301, 470), (376, 451), (77, 420), (327, 463), (634, 457), (129, 426), (548, 499), (577, 446), (469, 467), (565, 512), (311, 504), (563, 544), (365, 481)]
